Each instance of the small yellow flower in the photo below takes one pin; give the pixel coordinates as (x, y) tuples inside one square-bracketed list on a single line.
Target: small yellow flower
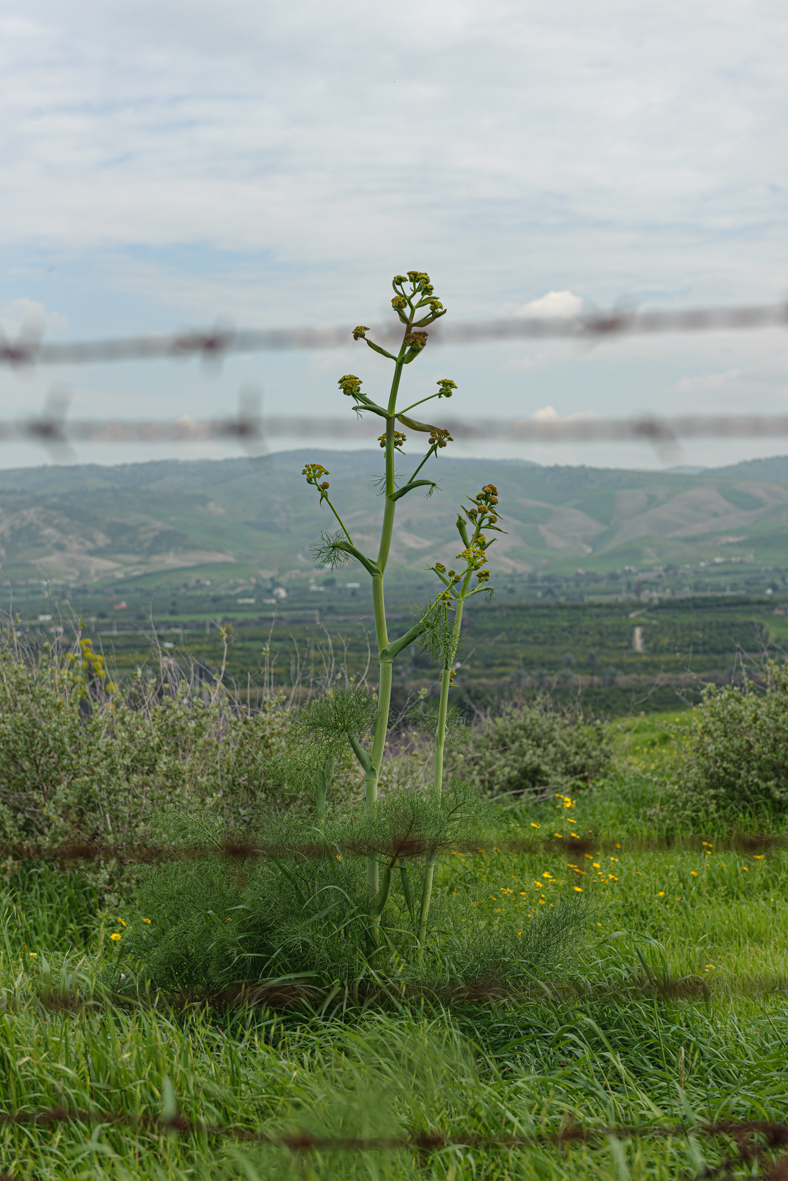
[(535, 825), (115, 937), (33, 954), (661, 894), (579, 889), (338, 857), (693, 873), (746, 868), (596, 864), (122, 922), (146, 920)]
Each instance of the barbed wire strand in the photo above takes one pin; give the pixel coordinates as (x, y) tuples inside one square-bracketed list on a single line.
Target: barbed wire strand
[(28, 348), (394, 846), (774, 1134), (575, 429)]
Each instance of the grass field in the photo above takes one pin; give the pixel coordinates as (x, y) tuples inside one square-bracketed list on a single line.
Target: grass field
[(673, 1010)]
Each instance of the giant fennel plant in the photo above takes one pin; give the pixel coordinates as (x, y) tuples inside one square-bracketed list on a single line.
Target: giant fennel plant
[(437, 628)]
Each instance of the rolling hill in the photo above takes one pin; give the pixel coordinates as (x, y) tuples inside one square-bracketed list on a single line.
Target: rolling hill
[(88, 522)]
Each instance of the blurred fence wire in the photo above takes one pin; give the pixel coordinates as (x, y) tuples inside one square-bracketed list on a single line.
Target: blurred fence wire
[(397, 846), (54, 431), (750, 1138), (28, 348), (252, 431)]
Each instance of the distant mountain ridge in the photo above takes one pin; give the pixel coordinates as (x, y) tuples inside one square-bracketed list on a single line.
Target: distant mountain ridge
[(93, 522)]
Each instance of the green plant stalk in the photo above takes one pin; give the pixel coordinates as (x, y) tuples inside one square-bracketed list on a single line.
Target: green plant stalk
[(322, 783), (371, 762), (386, 669), (440, 743)]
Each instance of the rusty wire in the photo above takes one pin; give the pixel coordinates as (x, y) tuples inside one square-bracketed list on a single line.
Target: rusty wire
[(408, 845), (30, 349), (770, 1134), (255, 430)]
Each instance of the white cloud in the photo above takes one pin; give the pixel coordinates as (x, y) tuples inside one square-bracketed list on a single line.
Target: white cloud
[(550, 414), (553, 305), (706, 383), (508, 138), (30, 318)]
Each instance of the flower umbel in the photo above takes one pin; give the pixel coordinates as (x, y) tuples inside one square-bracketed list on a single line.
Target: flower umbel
[(350, 384), (398, 438)]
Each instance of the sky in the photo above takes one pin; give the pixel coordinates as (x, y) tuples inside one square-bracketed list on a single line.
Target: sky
[(180, 163)]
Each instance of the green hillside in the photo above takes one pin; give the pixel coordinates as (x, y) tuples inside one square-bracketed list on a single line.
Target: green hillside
[(92, 523)]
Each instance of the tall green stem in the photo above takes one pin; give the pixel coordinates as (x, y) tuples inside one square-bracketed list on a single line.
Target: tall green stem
[(440, 743), (381, 634)]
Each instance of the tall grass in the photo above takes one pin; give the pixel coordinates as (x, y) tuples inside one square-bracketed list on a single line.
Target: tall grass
[(614, 1044)]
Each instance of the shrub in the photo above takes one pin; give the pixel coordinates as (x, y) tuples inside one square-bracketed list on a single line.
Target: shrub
[(81, 762), (733, 761), (533, 746)]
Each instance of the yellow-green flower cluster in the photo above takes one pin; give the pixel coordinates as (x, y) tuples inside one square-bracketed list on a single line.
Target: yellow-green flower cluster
[(314, 472), (88, 665)]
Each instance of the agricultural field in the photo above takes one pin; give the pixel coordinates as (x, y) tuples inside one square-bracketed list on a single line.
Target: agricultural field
[(655, 999), (621, 654)]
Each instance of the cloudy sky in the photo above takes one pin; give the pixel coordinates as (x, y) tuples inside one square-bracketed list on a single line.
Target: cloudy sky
[(170, 163)]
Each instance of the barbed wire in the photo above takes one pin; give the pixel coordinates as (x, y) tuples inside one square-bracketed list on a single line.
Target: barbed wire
[(393, 846), (773, 1134), (306, 996), (30, 349), (255, 430)]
